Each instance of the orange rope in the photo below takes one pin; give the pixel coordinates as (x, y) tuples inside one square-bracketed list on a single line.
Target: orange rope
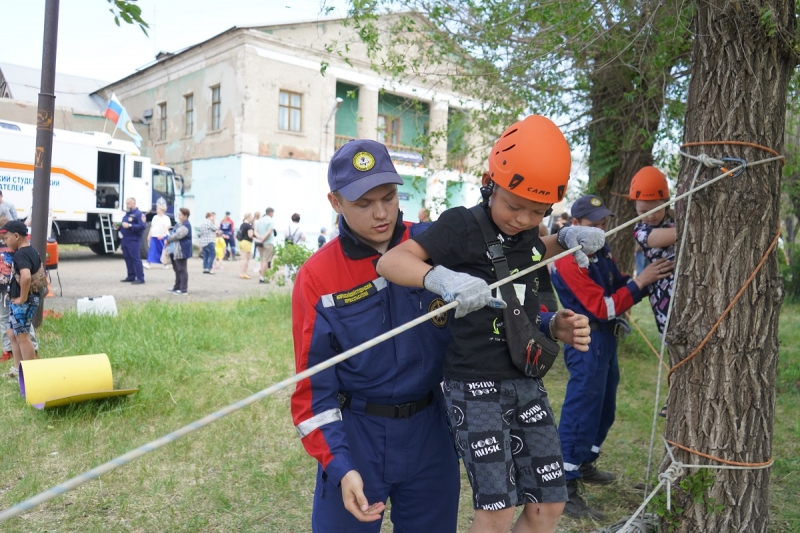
[(727, 309), (734, 143), (703, 343), (723, 461)]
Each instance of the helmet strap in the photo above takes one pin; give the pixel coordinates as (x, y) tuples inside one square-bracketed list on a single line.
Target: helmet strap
[(486, 191)]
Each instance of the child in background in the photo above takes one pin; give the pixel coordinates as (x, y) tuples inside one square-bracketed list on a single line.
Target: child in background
[(27, 282), (6, 257), (321, 239), (500, 417), (159, 227), (219, 251), (655, 234)]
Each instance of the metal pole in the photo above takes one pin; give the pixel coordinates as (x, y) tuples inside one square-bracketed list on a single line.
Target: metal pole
[(44, 137)]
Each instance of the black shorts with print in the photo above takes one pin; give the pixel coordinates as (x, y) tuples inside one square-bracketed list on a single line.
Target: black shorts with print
[(508, 440)]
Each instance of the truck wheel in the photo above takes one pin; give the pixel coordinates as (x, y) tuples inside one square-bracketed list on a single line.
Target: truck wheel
[(100, 249), (144, 246)]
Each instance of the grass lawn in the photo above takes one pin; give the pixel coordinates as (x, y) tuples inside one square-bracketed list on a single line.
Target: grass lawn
[(248, 472)]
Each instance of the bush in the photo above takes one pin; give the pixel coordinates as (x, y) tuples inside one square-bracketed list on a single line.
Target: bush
[(790, 273), (288, 260)]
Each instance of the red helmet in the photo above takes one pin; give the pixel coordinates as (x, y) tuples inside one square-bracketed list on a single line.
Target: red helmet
[(532, 160), (649, 184)]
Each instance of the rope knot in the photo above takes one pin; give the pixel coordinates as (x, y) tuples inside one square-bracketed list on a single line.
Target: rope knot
[(670, 476), (709, 161)]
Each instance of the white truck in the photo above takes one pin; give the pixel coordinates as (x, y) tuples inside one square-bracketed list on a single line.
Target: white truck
[(92, 175)]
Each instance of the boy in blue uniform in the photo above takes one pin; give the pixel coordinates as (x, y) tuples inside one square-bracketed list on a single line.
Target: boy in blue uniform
[(376, 423), (599, 291), (500, 417), (133, 224)]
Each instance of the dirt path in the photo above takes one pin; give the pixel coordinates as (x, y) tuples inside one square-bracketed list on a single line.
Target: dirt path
[(82, 273)]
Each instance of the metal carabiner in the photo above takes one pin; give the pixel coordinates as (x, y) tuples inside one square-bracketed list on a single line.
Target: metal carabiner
[(737, 160)]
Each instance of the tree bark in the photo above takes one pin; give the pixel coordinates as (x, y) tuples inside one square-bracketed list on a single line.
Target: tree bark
[(722, 401)]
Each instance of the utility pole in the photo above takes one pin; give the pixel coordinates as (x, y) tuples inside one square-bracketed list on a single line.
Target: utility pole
[(44, 137)]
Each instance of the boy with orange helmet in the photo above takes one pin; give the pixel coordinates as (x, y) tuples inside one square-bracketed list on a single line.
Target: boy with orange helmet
[(655, 234), (500, 417)]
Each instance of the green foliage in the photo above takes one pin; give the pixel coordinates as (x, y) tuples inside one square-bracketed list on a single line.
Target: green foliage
[(288, 260), (790, 274), (691, 488), (611, 72), (129, 12)]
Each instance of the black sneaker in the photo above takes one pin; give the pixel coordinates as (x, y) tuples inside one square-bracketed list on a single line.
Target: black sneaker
[(576, 506), (590, 474)]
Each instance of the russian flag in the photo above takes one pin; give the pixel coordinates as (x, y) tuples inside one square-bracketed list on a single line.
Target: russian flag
[(114, 109)]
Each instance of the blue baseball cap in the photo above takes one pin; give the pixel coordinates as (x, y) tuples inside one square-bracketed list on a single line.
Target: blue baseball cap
[(360, 166), (591, 207)]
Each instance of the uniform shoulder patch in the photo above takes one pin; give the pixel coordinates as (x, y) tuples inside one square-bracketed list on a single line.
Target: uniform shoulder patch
[(439, 321)]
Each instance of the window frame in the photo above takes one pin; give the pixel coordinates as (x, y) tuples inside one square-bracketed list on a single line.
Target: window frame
[(162, 122), (188, 108), (391, 129), (289, 108), (216, 107)]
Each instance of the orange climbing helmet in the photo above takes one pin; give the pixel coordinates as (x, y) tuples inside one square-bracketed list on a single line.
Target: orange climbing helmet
[(649, 184), (532, 160)]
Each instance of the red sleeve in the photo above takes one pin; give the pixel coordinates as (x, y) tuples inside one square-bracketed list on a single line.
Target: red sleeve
[(591, 295)]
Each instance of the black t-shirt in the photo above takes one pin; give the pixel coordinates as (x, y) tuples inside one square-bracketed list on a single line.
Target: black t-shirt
[(479, 350), (25, 257), (245, 229)]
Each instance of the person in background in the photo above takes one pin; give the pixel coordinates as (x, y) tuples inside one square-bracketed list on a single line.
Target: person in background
[(27, 281), (179, 247), (561, 221), (7, 209), (424, 215), (293, 233), (265, 239), (206, 235), (6, 258), (219, 251), (132, 227), (256, 249), (335, 229), (159, 227), (601, 292), (245, 244), (321, 239), (228, 229), (547, 296)]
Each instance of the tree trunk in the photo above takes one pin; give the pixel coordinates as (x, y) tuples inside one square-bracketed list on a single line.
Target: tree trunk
[(619, 145), (722, 401)]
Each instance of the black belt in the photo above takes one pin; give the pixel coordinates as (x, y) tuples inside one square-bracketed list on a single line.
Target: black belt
[(608, 327), (404, 410)]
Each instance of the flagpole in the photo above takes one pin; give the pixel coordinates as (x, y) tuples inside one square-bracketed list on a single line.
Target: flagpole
[(105, 123), (115, 129)]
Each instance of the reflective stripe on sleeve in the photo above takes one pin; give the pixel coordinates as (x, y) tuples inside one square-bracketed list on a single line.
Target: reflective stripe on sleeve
[(317, 421), (610, 308)]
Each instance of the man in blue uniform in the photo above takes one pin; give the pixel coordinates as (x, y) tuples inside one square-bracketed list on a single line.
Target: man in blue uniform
[(376, 423), (132, 227), (603, 294)]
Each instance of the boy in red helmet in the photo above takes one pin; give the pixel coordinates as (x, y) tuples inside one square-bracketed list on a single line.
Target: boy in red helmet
[(500, 417)]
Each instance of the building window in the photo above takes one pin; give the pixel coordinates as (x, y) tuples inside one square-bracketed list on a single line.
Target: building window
[(388, 129), (162, 116), (289, 111), (215, 108), (189, 123)]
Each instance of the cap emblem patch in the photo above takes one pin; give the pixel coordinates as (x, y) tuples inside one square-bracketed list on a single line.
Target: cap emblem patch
[(597, 202), (363, 161)]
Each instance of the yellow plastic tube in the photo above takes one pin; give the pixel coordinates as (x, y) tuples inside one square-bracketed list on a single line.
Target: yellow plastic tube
[(62, 380)]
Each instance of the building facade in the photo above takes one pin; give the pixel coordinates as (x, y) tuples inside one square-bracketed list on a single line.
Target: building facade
[(252, 116)]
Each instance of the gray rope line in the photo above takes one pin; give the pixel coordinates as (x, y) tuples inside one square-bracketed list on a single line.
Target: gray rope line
[(667, 323), (126, 458)]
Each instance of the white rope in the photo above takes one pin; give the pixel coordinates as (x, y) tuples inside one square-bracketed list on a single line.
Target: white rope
[(203, 422)]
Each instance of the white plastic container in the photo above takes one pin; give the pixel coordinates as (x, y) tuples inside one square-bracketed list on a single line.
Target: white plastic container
[(99, 305)]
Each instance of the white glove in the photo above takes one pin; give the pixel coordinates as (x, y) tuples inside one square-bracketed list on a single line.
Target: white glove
[(470, 292), (590, 239)]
